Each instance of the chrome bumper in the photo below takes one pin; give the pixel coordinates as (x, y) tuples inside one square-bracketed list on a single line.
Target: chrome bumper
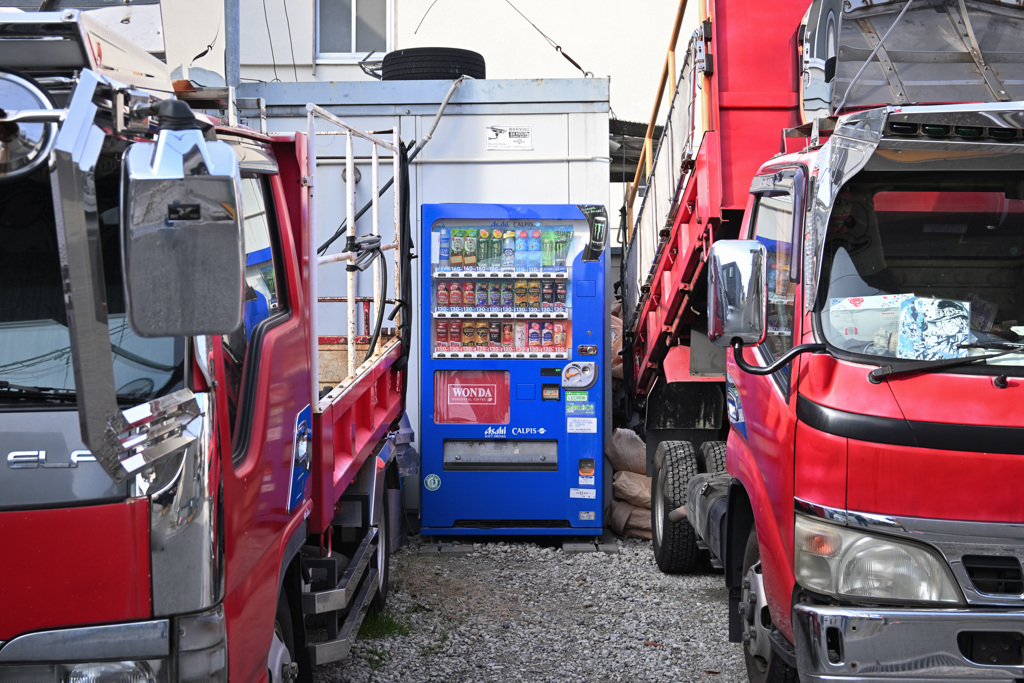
[(862, 644)]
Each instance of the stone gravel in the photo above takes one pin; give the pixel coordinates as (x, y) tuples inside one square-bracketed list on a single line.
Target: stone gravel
[(519, 611)]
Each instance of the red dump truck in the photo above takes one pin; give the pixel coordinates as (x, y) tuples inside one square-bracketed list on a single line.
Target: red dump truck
[(837, 205), (191, 487)]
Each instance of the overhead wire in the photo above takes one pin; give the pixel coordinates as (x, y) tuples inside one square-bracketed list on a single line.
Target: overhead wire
[(551, 42), (291, 45), (270, 40)]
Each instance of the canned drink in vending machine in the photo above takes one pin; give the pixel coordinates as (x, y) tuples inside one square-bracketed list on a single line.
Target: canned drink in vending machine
[(469, 294), (533, 295), (468, 334), (547, 335), (521, 295), (507, 334), (533, 338), (559, 336), (507, 295), (455, 295), (455, 334), (519, 340), (494, 295), (481, 295), (442, 296), (483, 334), (561, 290), (441, 335), (547, 295), (495, 334)]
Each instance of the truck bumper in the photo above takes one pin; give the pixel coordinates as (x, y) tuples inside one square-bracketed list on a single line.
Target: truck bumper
[(864, 644)]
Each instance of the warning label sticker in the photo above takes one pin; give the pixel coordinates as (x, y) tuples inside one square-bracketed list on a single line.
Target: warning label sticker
[(581, 425), (509, 137)]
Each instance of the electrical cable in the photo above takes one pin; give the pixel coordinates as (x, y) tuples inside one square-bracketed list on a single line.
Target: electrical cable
[(552, 43), (405, 250), (380, 307), (270, 41), (291, 45)]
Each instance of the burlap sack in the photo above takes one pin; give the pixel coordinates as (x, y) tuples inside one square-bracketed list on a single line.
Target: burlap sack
[(616, 347), (626, 452), (633, 488), (629, 520)]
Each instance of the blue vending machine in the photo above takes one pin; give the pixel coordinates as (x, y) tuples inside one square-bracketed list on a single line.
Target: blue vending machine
[(515, 381)]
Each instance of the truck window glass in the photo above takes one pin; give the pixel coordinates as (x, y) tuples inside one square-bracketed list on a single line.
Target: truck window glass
[(261, 298), (34, 343), (773, 227), (915, 268)]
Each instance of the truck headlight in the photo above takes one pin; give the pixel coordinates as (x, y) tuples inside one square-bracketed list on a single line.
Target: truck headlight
[(842, 562), (148, 671)]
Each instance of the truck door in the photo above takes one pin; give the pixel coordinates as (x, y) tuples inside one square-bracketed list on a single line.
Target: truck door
[(768, 402)]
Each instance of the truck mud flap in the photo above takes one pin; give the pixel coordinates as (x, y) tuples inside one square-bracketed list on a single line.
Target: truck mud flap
[(708, 496), (347, 602)]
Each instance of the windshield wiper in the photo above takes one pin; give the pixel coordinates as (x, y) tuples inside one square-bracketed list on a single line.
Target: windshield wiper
[(1004, 348), (21, 392)]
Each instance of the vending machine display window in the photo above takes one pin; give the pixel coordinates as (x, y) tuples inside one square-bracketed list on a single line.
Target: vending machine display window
[(472, 397)]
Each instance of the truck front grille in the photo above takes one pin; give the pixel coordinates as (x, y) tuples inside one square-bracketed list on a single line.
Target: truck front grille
[(994, 575)]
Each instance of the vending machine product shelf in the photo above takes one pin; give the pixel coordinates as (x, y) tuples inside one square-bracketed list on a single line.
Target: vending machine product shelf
[(515, 342)]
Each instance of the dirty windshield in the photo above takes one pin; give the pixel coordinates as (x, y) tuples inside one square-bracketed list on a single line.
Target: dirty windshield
[(926, 269), (34, 343)]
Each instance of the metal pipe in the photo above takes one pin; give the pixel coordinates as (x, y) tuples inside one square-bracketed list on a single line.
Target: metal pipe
[(331, 118), (375, 227), (311, 269), (397, 206), (350, 194), (232, 44)]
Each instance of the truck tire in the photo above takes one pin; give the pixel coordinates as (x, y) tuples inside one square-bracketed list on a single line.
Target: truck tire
[(675, 543), (383, 559), (764, 665), (280, 659), (712, 457), (432, 64)]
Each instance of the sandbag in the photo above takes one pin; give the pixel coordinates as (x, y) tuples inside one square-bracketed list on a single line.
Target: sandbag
[(633, 488), (616, 354), (629, 520), (626, 452)]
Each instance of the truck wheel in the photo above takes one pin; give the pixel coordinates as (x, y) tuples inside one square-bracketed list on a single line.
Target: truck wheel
[(432, 63), (712, 457), (764, 665), (383, 559), (281, 667), (675, 543)]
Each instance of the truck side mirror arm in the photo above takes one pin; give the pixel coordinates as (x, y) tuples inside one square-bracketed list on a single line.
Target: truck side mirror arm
[(737, 348)]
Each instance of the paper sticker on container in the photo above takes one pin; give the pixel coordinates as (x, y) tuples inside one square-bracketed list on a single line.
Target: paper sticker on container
[(581, 425), (509, 137), (589, 494), (586, 481)]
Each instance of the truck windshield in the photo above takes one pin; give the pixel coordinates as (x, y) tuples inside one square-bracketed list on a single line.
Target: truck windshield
[(926, 268), (34, 343)]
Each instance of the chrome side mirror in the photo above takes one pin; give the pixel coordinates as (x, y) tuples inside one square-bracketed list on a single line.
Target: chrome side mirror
[(28, 126), (181, 230), (737, 292)]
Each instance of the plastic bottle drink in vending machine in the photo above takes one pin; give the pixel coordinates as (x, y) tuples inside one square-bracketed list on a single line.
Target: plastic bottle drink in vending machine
[(494, 295), (468, 295), (455, 295), (496, 249), (469, 249), (533, 295), (481, 295), (547, 335), (456, 250), (533, 247), (507, 334), (444, 250), (534, 335), (455, 334), (521, 295), (508, 250), (441, 335), (483, 250), (442, 296), (519, 339), (468, 334), (548, 243), (521, 255)]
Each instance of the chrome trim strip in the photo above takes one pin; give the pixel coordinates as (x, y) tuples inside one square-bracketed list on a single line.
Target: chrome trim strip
[(186, 541), (952, 538), (141, 640)]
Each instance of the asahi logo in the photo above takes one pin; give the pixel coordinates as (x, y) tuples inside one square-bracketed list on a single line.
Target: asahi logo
[(492, 432), (471, 394)]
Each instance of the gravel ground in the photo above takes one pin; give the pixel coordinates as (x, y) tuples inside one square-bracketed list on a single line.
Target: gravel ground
[(519, 611)]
